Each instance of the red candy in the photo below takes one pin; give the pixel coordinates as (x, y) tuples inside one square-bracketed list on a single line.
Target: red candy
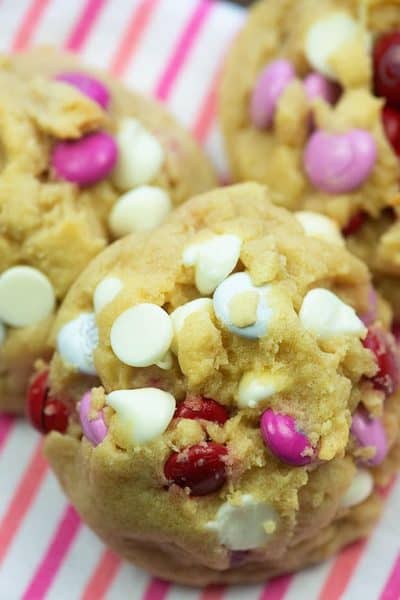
[(387, 357), (387, 67), (198, 407), (355, 223), (201, 468), (391, 123), (45, 414)]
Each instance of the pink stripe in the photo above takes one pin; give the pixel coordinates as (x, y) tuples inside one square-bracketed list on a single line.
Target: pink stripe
[(183, 47), (392, 587), (276, 589), (23, 36), (6, 426), (85, 22), (156, 590), (56, 552)]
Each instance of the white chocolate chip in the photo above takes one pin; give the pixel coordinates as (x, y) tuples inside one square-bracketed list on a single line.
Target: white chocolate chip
[(76, 342), (320, 227), (359, 490), (180, 314), (166, 362), (326, 37), (232, 286), (140, 209), (244, 527), (323, 313), (2, 333), (256, 387), (140, 155), (26, 296), (144, 413), (142, 335), (213, 260), (105, 292)]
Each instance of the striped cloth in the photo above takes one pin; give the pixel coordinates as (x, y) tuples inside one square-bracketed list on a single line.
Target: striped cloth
[(174, 50)]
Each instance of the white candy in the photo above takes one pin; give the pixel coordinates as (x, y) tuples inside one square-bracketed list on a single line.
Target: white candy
[(326, 36), (213, 260), (144, 413), (236, 284), (243, 527), (359, 490), (26, 296), (255, 387), (141, 335), (323, 313), (105, 292), (76, 342), (180, 314), (140, 155), (140, 209), (2, 333), (320, 227)]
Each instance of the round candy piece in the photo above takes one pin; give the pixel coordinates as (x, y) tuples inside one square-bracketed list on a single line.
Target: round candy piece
[(201, 468), (140, 209), (141, 335), (91, 87), (285, 441), (76, 342), (270, 85), (199, 407), (85, 161), (94, 429), (391, 123), (144, 413), (45, 414), (386, 353), (387, 67), (26, 296), (234, 288), (370, 432), (318, 86), (340, 163), (140, 155), (359, 490), (106, 290)]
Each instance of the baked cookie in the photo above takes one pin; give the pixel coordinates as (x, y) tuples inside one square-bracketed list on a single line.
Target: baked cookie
[(239, 414), (83, 161), (310, 106)]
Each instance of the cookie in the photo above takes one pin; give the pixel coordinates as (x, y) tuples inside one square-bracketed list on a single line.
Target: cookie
[(310, 106), (217, 409), (83, 161)]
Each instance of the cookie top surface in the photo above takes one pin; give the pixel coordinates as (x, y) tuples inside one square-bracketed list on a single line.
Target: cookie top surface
[(290, 101)]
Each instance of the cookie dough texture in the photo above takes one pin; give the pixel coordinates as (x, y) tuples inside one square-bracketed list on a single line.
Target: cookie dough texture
[(278, 29), (119, 487), (52, 225)]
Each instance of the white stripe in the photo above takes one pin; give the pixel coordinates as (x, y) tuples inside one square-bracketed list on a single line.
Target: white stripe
[(214, 148), (128, 578), (241, 592), (12, 13), (51, 29), (158, 42), (308, 583), (73, 575), (32, 539)]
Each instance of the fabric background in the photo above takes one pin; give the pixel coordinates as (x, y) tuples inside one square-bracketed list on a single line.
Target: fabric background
[(172, 49)]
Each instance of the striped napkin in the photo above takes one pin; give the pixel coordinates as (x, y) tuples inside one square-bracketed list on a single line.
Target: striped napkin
[(172, 49)]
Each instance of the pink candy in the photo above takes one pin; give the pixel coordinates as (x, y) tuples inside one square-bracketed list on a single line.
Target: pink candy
[(340, 163), (270, 86), (317, 86), (282, 437), (370, 432), (95, 430), (91, 87), (87, 160)]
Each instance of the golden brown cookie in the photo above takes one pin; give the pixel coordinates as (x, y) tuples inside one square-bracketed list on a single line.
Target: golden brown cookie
[(83, 160), (239, 414), (310, 106)]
